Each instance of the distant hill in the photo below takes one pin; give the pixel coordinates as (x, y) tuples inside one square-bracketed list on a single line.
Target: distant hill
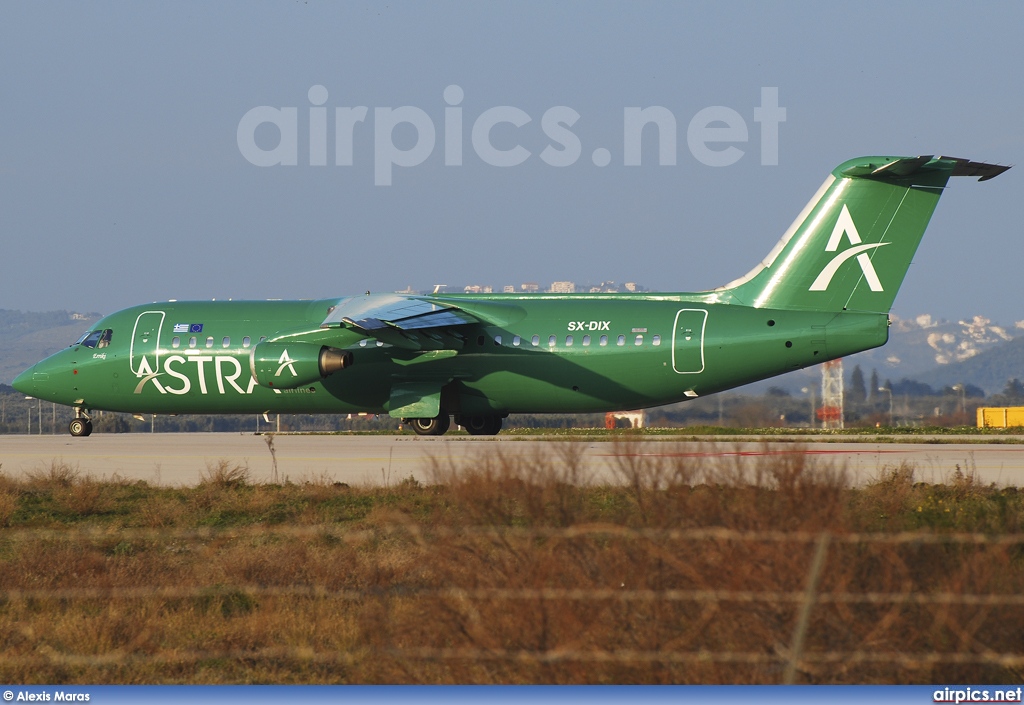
[(989, 370), (26, 338)]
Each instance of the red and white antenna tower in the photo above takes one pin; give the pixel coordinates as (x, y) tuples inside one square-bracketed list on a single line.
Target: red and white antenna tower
[(831, 411)]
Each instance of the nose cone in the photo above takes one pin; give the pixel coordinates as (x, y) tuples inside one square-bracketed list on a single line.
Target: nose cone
[(23, 382)]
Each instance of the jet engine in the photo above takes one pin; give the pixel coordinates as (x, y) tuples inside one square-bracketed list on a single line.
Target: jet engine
[(281, 365)]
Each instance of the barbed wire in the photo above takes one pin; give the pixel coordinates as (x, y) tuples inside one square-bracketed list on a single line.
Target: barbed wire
[(49, 656), (792, 657), (511, 594), (492, 531)]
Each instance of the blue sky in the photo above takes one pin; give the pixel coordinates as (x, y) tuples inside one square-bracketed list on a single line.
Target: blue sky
[(123, 179)]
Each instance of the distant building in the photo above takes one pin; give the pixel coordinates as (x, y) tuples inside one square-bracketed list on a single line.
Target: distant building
[(560, 287)]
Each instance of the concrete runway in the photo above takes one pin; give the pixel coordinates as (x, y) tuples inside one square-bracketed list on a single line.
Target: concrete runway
[(179, 459)]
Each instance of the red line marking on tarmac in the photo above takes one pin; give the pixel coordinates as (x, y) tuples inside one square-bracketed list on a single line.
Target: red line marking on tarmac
[(745, 453)]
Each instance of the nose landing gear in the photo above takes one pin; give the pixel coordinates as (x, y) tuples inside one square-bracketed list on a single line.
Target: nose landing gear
[(81, 425)]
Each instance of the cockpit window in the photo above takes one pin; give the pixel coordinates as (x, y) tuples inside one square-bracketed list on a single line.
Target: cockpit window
[(96, 338)]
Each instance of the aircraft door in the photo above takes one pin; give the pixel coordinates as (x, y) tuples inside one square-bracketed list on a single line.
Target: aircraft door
[(688, 341), (145, 346)]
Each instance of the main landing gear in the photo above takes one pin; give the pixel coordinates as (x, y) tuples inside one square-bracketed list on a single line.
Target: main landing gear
[(431, 427), (479, 425), (81, 425)]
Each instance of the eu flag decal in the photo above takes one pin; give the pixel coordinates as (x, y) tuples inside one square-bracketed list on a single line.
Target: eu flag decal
[(195, 328)]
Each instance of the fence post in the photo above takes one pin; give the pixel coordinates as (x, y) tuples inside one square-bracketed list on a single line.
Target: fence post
[(804, 618)]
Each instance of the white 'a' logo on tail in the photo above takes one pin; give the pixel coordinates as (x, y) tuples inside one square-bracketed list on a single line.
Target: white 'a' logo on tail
[(845, 226)]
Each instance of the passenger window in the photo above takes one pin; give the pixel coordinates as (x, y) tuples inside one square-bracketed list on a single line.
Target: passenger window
[(639, 340), (586, 340), (226, 342), (175, 341), (209, 341), (604, 340), (516, 340), (192, 342), (380, 344), (362, 343), (656, 340), (497, 340), (535, 340), (568, 341), (621, 340), (262, 338), (551, 341), (246, 341)]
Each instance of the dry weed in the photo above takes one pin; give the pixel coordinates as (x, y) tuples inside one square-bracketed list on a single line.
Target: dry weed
[(224, 474), (85, 497), (58, 474), (8, 505), (514, 569)]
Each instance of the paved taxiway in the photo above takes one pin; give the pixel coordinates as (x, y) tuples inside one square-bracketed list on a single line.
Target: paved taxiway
[(179, 459)]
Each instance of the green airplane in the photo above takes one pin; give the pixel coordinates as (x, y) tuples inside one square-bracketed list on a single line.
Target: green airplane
[(823, 292)]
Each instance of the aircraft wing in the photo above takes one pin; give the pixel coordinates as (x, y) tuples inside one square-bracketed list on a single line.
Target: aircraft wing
[(374, 312), (416, 322)]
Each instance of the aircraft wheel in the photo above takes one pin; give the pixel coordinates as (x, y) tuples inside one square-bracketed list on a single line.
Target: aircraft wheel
[(481, 425), (80, 427), (432, 427)]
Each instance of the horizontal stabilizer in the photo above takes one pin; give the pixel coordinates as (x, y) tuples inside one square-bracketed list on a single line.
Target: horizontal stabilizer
[(965, 167), (914, 168)]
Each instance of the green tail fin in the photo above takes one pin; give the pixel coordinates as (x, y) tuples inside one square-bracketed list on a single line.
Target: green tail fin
[(851, 246)]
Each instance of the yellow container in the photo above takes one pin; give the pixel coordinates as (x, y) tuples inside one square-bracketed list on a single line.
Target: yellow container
[(1000, 416)]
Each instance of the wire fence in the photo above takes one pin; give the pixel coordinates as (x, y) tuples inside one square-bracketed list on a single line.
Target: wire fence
[(790, 654)]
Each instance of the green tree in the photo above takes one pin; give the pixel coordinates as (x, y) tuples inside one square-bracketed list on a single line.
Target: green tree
[(1014, 390), (855, 392)]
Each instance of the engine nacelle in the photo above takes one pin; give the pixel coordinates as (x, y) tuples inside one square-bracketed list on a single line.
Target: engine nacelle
[(280, 365)]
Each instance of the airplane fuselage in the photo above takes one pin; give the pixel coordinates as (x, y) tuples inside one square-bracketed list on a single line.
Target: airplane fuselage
[(566, 353)]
